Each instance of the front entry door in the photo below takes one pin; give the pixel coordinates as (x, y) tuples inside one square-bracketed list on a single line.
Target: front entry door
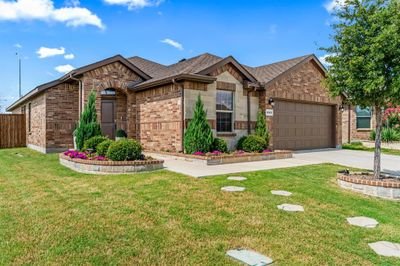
[(108, 118)]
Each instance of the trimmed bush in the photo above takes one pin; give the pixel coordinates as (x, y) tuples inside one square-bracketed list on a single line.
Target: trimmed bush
[(102, 148), (198, 136), (254, 143), (239, 144), (261, 126), (125, 150), (88, 126), (93, 142), (220, 145), (372, 135), (121, 133)]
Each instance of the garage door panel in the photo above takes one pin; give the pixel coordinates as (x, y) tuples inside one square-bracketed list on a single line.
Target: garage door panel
[(302, 126)]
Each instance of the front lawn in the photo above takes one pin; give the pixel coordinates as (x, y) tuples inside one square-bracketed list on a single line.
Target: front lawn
[(358, 146), (52, 215)]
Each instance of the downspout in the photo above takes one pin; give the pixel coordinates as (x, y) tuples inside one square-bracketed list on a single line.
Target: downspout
[(80, 93), (182, 112), (248, 113)]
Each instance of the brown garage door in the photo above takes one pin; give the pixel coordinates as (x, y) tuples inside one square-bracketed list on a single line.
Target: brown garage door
[(299, 126)]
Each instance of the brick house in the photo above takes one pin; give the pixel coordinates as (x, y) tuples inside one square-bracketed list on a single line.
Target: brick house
[(154, 103)]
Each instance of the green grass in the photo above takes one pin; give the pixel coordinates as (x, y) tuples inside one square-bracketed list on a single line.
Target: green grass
[(358, 146), (52, 215)]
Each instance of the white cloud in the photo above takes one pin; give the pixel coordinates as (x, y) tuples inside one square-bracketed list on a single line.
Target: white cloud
[(173, 43), (17, 45), (64, 68), (44, 10), (44, 52), (324, 61), (69, 56), (134, 4), (334, 4)]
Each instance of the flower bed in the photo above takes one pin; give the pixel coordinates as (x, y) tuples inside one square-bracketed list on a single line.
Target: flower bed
[(216, 157), (387, 187), (80, 162)]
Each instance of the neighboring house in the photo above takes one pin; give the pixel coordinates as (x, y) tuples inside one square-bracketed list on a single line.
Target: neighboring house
[(357, 123), (154, 103)]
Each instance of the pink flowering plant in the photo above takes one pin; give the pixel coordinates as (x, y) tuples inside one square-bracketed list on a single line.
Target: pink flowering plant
[(391, 117), (215, 153), (76, 154), (267, 151), (199, 153), (240, 152)]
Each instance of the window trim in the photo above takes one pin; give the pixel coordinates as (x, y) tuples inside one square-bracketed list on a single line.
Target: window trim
[(363, 116), (225, 111)]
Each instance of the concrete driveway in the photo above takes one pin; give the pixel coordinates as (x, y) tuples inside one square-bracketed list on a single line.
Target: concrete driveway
[(349, 158), (357, 159)]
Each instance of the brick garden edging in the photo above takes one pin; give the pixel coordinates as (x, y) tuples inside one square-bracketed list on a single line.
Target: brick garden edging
[(109, 167), (230, 158), (382, 189)]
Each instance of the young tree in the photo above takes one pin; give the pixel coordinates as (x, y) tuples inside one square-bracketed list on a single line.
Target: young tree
[(365, 58), (88, 126), (261, 126), (198, 135)]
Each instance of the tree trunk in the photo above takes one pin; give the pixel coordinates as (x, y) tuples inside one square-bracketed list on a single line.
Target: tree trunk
[(378, 140)]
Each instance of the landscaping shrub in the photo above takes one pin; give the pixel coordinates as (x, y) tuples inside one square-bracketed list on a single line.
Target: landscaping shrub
[(220, 145), (198, 136), (254, 143), (102, 148), (121, 133), (261, 126), (88, 126), (125, 150), (239, 144), (93, 142), (390, 134), (372, 135)]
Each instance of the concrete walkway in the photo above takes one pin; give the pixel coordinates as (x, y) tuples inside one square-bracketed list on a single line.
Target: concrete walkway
[(358, 159)]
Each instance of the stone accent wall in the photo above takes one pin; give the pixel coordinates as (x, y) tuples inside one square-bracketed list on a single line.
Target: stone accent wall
[(302, 84), (349, 124), (115, 76), (62, 115), (36, 137), (159, 118), (228, 78)]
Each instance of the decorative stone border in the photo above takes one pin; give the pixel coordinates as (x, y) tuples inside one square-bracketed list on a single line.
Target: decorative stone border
[(381, 189), (230, 158), (109, 167)]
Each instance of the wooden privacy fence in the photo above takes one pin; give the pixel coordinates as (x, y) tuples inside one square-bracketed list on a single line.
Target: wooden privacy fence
[(12, 130)]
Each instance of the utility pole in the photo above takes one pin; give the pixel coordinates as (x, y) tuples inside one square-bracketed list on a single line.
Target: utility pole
[(19, 74)]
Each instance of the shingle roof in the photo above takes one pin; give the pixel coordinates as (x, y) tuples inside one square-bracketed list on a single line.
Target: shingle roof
[(267, 73), (189, 66), (151, 68)]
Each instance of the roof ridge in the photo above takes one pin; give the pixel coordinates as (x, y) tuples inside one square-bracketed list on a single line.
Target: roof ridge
[(145, 59), (284, 61)]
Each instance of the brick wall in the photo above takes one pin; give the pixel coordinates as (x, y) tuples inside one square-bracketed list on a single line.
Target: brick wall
[(159, 118), (62, 115), (303, 84), (115, 76)]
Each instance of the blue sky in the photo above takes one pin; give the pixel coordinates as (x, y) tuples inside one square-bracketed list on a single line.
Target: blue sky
[(54, 36)]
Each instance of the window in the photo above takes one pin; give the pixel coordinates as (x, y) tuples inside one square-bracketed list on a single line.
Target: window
[(108, 92), (29, 117), (363, 116), (224, 111)]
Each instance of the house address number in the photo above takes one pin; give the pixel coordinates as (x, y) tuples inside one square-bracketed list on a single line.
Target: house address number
[(269, 112)]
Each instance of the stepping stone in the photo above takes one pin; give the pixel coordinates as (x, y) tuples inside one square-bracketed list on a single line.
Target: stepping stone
[(291, 207), (363, 222), (237, 178), (385, 248), (232, 189), (281, 193), (249, 257)]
